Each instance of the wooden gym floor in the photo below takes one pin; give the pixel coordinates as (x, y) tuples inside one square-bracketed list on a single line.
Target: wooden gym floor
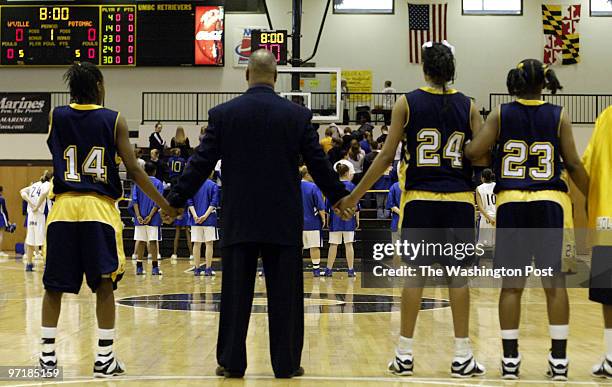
[(167, 332)]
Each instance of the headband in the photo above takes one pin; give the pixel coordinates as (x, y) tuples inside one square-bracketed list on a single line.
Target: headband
[(444, 43)]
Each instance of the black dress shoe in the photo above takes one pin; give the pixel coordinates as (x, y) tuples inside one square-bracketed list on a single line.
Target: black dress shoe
[(221, 371), (298, 372), (294, 374)]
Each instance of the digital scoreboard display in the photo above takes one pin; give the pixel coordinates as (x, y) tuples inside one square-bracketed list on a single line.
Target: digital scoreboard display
[(138, 34), (273, 41)]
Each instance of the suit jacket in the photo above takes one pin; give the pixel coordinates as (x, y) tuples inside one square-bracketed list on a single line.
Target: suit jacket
[(260, 137)]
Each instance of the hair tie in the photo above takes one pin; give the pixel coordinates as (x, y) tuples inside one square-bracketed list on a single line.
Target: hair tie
[(521, 66), (444, 43)]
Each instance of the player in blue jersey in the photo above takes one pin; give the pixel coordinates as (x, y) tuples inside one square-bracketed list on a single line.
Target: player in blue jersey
[(437, 203), (176, 165), (393, 205), (341, 230), (203, 209), (84, 229), (534, 210), (148, 222), (314, 219), (5, 223)]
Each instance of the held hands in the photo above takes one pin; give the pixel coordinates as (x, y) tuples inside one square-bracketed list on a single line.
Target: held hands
[(169, 214), (346, 207)]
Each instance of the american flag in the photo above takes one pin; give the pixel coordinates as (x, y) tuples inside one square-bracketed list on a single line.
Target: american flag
[(427, 23)]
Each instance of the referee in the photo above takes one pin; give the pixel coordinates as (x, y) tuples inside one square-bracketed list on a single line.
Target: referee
[(260, 137)]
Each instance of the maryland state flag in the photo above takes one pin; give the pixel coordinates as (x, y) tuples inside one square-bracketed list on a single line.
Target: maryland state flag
[(561, 37)]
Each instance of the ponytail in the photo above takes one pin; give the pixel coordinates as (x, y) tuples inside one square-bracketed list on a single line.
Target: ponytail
[(552, 82), (530, 77)]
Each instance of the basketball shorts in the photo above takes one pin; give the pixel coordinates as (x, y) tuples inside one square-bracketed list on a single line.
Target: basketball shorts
[(84, 237), (35, 235), (183, 221), (534, 227), (311, 239), (339, 237), (437, 220), (203, 234), (600, 284), (146, 233)]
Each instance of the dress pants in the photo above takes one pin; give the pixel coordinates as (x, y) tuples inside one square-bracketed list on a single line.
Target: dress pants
[(285, 290)]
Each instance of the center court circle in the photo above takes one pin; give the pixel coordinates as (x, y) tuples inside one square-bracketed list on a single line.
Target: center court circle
[(313, 303)]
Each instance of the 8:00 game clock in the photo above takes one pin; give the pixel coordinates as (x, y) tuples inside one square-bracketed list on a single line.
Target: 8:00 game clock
[(273, 41), (136, 34)]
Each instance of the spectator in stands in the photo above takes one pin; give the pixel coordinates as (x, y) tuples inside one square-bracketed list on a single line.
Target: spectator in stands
[(139, 159), (364, 125), (181, 142), (202, 131), (155, 139), (365, 142), (337, 151), (326, 142), (159, 166), (347, 137), (384, 131), (388, 101), (356, 156), (345, 98)]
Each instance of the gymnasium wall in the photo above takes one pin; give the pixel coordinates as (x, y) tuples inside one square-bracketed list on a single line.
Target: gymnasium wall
[(487, 46)]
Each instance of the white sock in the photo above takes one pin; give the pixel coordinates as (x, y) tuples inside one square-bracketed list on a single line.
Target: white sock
[(404, 345), (105, 334), (510, 334), (558, 332), (463, 349), (48, 333), (608, 340)]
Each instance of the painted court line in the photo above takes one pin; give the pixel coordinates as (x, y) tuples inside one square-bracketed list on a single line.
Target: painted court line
[(432, 381)]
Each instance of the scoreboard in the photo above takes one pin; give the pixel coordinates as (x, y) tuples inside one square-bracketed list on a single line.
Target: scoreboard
[(274, 41), (138, 34)]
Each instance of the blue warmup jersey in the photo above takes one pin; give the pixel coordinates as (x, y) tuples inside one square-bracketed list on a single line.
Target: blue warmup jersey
[(312, 200), (207, 196), (176, 166), (335, 222), (437, 129), (393, 200), (82, 144), (528, 156), (145, 204), (4, 219)]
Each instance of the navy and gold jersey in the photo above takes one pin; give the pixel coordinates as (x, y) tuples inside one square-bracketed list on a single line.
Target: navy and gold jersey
[(82, 144), (437, 129), (528, 156)]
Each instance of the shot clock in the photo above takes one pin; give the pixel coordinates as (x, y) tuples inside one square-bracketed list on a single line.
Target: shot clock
[(273, 41), (129, 33)]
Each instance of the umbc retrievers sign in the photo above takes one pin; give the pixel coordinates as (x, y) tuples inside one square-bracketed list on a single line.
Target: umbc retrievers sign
[(24, 112)]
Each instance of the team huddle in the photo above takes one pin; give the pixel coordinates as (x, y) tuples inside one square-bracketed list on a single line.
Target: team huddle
[(440, 133)]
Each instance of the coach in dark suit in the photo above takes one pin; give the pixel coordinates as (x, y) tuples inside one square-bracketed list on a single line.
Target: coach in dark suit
[(259, 136)]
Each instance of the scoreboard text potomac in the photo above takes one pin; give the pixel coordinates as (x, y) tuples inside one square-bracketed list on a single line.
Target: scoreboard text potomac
[(55, 34)]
